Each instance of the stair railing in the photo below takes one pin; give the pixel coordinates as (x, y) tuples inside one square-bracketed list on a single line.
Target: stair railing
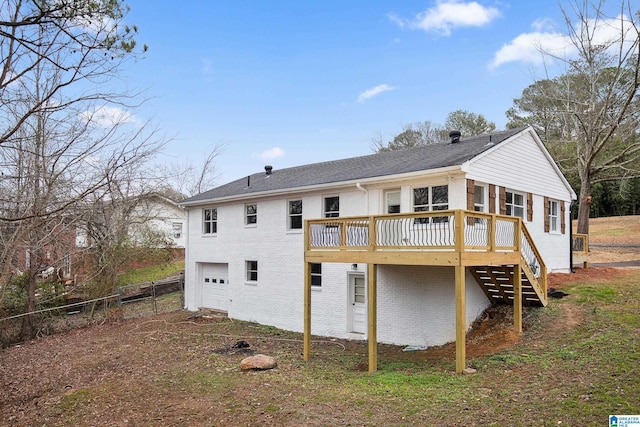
[(532, 257)]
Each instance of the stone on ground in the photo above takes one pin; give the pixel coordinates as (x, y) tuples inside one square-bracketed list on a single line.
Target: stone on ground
[(258, 362)]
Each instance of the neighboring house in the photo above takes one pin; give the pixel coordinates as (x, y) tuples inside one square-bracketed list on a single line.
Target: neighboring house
[(161, 214), (155, 219), (437, 212)]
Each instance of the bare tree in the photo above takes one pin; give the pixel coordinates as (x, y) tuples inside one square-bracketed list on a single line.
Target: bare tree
[(193, 177), (81, 40), (590, 115), (62, 145)]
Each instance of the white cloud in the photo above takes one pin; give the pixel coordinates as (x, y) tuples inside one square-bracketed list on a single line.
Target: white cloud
[(529, 47), (447, 15), (271, 153), (370, 93), (107, 117)]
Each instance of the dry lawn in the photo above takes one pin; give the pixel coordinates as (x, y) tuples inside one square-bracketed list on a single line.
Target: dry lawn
[(576, 363), (621, 233)]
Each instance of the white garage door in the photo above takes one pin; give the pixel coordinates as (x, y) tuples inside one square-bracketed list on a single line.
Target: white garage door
[(215, 286)]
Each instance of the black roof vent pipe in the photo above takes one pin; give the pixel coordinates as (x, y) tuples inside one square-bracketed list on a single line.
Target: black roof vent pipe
[(268, 169), (455, 136)]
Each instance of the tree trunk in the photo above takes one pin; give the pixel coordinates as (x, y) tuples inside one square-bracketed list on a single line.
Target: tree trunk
[(28, 330), (584, 205)]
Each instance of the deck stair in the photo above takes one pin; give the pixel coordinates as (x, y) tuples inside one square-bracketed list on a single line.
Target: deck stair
[(497, 283)]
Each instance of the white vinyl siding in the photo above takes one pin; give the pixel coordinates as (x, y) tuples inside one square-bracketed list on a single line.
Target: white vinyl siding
[(521, 166)]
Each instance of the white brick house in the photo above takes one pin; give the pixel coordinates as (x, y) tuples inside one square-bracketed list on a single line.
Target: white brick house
[(245, 248)]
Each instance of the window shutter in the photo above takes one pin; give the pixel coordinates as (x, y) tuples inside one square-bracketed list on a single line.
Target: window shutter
[(503, 201), (563, 223), (492, 198), (547, 207), (529, 207), (471, 201), (471, 188)]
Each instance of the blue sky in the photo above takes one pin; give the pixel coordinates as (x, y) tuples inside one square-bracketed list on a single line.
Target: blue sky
[(295, 82)]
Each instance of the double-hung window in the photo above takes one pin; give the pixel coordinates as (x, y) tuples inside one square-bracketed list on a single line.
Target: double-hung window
[(479, 204), (392, 201), (252, 271), (251, 214), (295, 215), (177, 229), (553, 216), (316, 275), (332, 207), (210, 221), (434, 198), (515, 204)]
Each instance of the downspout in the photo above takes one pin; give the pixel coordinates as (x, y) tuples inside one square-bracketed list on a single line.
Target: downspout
[(366, 192), (571, 238)]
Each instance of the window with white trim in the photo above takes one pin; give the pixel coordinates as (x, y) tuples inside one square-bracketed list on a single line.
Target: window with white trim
[(251, 214), (479, 203), (332, 207), (316, 275), (295, 215), (177, 229), (392, 201), (553, 216), (210, 221), (252, 271), (434, 198), (515, 204)]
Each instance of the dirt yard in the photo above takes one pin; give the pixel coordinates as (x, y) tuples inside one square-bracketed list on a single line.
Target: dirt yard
[(179, 369)]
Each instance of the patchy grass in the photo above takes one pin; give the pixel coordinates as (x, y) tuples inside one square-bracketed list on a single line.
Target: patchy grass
[(576, 363), (151, 273)]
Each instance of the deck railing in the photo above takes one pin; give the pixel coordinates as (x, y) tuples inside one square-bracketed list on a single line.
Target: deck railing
[(427, 231), (580, 243), (580, 248)]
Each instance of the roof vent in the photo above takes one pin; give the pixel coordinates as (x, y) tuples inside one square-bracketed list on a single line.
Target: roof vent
[(268, 169), (455, 136)]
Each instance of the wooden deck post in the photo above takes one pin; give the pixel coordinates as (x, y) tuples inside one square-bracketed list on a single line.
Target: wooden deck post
[(307, 310), (517, 298), (372, 315), (460, 319)]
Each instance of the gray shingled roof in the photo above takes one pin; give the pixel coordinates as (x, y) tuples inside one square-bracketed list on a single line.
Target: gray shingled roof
[(355, 168)]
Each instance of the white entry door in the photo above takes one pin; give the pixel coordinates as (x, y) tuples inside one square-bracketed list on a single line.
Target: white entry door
[(215, 286), (357, 303)]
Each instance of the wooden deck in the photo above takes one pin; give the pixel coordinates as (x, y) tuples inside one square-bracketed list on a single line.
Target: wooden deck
[(496, 249)]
